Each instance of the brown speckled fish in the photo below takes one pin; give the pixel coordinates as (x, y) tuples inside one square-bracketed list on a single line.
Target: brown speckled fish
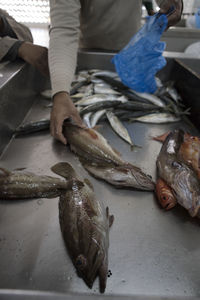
[(85, 226), (26, 185)]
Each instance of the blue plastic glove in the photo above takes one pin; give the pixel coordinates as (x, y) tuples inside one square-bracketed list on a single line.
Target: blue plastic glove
[(140, 60), (197, 18)]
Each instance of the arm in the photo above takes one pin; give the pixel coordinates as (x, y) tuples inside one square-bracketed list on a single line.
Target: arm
[(64, 38), (165, 6)]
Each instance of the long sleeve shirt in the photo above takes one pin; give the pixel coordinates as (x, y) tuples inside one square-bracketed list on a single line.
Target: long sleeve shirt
[(12, 35), (97, 24)]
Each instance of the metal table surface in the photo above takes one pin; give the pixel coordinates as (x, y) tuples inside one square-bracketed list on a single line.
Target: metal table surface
[(152, 252)]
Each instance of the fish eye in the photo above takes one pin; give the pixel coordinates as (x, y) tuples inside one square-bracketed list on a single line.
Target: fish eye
[(81, 262)]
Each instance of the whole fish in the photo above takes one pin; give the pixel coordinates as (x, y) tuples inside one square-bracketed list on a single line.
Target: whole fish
[(152, 99), (25, 185), (125, 175), (180, 177), (136, 105), (85, 226), (99, 106), (93, 148), (118, 127), (157, 118), (93, 99), (32, 127)]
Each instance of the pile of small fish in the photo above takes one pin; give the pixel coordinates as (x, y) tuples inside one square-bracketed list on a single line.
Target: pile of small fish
[(100, 95), (179, 172)]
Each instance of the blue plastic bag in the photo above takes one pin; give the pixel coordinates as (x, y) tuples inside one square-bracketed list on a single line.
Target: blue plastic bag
[(197, 18), (140, 60)]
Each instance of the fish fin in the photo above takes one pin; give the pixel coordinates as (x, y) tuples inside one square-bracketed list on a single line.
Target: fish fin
[(4, 172), (97, 127), (87, 181), (19, 169), (161, 138), (76, 182), (65, 170), (110, 217), (103, 273), (92, 133), (117, 152)]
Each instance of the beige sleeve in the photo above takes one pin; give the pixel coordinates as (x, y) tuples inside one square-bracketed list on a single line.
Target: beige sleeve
[(63, 46), (22, 32)]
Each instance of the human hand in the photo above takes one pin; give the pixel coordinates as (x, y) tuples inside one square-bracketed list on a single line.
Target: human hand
[(175, 16), (63, 108), (36, 56)]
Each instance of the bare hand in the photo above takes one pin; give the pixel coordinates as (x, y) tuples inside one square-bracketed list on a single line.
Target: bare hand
[(63, 108), (36, 56), (176, 15)]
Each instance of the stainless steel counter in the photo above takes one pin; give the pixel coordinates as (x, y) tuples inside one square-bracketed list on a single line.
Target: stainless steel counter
[(152, 252)]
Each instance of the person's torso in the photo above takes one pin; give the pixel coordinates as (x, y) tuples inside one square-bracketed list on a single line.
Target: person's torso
[(109, 24)]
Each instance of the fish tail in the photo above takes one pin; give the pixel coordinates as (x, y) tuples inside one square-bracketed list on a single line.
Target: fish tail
[(4, 172), (103, 273), (65, 170)]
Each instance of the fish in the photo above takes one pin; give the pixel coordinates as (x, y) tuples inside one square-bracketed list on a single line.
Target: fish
[(136, 105), (99, 106), (123, 176), (104, 88), (32, 127), (179, 176), (118, 127), (151, 98), (94, 152), (26, 185), (96, 117), (165, 195), (189, 150), (157, 118), (86, 119), (90, 144), (78, 85), (93, 99), (85, 223)]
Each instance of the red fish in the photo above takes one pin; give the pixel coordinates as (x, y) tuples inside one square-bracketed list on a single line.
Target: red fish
[(165, 195)]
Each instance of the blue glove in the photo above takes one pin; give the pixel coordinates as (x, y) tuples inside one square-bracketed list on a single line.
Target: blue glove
[(140, 60), (197, 18)]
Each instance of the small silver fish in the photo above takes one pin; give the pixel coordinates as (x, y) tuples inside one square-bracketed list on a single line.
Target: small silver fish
[(95, 99), (96, 116), (151, 98), (104, 88), (86, 119), (157, 118), (118, 127)]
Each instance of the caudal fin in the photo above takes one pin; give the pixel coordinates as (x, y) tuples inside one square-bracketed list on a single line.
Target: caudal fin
[(65, 170)]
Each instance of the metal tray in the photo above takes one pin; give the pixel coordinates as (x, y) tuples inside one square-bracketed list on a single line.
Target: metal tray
[(153, 254)]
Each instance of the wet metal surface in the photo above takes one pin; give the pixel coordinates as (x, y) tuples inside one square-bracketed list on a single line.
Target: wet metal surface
[(152, 252)]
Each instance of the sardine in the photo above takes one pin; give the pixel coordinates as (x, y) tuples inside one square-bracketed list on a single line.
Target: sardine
[(136, 105), (96, 117), (85, 226), (93, 99), (86, 119), (118, 127), (152, 99), (179, 176), (25, 185), (157, 118), (103, 88), (99, 106), (32, 127)]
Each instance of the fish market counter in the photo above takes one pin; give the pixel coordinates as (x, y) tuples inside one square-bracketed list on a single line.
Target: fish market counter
[(153, 254)]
